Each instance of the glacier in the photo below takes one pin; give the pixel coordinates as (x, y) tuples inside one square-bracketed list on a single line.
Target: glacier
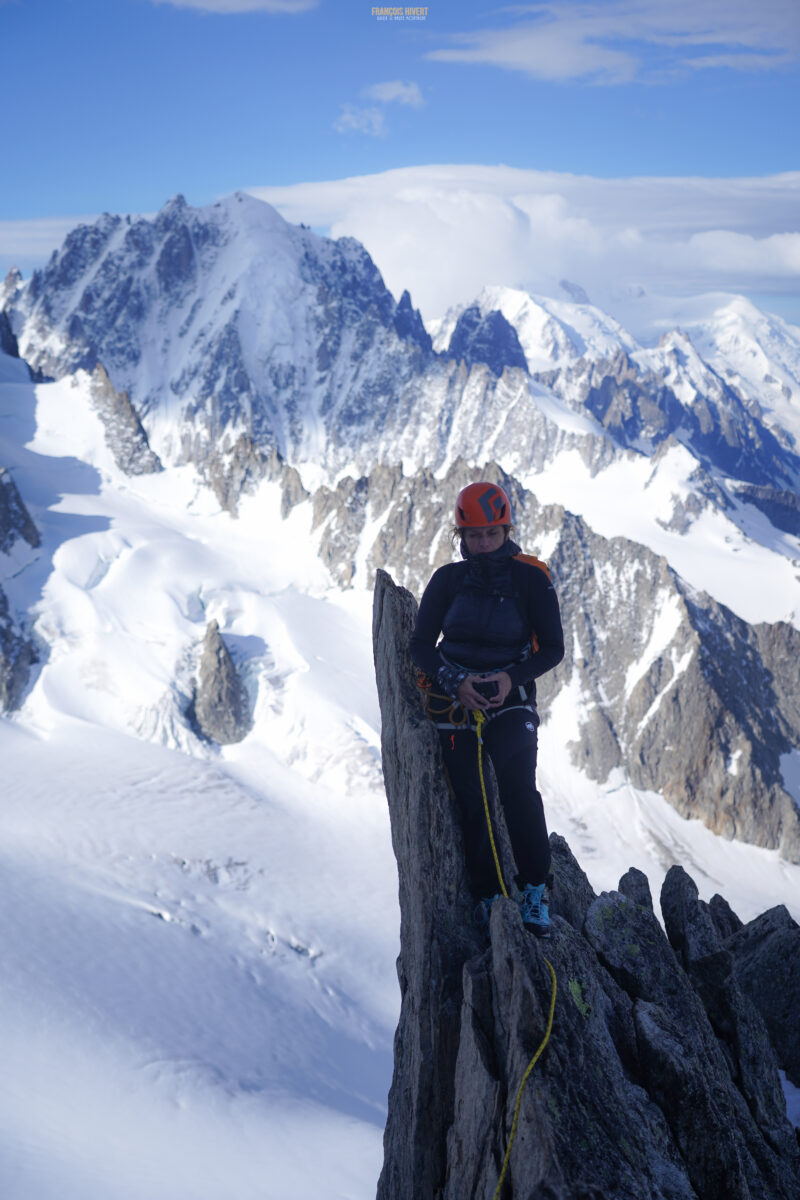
[(200, 989)]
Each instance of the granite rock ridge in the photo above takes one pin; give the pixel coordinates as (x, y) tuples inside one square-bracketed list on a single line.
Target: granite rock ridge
[(660, 1078), (17, 653), (677, 691), (220, 709), (17, 656)]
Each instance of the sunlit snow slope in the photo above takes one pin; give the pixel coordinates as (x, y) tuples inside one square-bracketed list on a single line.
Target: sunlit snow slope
[(198, 988), (198, 991)]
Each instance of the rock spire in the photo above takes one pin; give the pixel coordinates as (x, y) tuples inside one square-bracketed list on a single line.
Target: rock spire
[(659, 1081)]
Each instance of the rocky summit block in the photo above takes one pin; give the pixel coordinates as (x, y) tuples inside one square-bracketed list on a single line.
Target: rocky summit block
[(659, 1079), (15, 520), (17, 655), (220, 709)]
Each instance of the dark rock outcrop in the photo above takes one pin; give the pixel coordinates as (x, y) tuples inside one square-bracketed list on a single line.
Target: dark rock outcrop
[(409, 325), (125, 435), (780, 506), (142, 297), (220, 709), (683, 696), (658, 1081), (15, 520), (486, 338), (17, 653), (766, 964), (640, 406), (16, 658), (8, 342)]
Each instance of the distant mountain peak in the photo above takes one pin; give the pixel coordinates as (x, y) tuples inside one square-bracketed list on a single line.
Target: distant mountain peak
[(228, 322), (574, 291), (486, 338)]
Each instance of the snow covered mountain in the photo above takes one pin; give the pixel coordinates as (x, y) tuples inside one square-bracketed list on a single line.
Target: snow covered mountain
[(234, 333), (226, 339), (737, 408), (230, 424), (199, 941)]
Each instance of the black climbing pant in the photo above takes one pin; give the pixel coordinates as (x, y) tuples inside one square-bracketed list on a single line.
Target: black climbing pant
[(510, 741)]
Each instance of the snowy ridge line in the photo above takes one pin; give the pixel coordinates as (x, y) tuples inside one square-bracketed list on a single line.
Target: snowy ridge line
[(233, 323), (262, 1010), (269, 994)]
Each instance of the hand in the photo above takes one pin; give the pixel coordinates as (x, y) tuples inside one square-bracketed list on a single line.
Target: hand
[(471, 699), (503, 681)]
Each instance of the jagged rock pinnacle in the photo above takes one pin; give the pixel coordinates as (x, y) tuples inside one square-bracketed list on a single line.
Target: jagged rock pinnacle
[(658, 1082), (221, 711)]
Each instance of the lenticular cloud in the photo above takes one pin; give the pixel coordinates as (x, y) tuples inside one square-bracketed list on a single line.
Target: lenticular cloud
[(531, 229)]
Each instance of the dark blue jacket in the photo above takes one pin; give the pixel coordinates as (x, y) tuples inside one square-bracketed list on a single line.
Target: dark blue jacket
[(496, 611)]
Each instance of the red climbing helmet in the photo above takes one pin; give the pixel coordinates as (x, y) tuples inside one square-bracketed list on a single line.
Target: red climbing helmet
[(482, 504)]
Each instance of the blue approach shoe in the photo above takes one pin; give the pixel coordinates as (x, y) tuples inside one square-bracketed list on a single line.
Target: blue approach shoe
[(481, 913), (535, 913)]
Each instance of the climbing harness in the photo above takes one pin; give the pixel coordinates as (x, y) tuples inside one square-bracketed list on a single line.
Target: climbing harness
[(447, 713), (444, 711), (479, 722)]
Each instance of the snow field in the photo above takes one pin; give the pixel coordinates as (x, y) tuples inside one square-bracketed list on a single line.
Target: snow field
[(197, 990), (199, 993), (757, 581)]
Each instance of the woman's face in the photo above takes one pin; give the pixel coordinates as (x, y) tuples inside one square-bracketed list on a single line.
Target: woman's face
[(482, 539)]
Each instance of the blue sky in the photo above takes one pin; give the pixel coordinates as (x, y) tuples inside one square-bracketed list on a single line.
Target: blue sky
[(118, 104)]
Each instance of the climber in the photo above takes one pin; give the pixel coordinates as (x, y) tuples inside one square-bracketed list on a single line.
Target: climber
[(499, 616)]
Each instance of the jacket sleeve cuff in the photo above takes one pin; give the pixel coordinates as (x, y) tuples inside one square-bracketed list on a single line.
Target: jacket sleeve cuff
[(450, 679)]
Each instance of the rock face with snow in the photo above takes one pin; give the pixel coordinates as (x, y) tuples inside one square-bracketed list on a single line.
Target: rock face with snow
[(125, 433), (687, 698), (220, 707), (15, 520), (781, 506), (658, 1080), (766, 963), (486, 338), (731, 398), (221, 324), (16, 658), (8, 343), (661, 681), (643, 404), (16, 652), (255, 350)]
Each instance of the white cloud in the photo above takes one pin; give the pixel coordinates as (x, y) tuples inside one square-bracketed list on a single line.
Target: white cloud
[(355, 119), (371, 119), (397, 92), (551, 51), (244, 6), (740, 62), (29, 243), (445, 232), (739, 253), (616, 41)]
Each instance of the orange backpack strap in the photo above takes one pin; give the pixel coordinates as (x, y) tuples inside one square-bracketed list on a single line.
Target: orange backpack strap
[(533, 561)]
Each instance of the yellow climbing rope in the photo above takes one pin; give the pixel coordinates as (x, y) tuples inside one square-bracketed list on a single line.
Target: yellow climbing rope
[(528, 1070), (479, 721)]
